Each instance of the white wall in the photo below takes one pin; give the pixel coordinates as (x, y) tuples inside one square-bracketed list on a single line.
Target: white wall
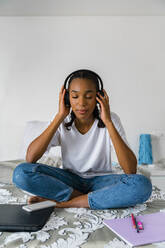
[(82, 8), (37, 53)]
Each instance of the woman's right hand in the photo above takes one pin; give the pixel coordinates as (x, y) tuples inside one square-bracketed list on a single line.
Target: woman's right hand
[(63, 110)]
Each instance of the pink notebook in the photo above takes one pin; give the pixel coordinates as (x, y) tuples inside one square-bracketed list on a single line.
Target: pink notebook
[(154, 229)]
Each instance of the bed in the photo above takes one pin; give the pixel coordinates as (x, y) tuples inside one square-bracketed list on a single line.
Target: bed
[(70, 227)]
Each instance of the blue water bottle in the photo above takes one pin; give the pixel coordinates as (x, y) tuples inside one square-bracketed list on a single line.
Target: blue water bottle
[(145, 149)]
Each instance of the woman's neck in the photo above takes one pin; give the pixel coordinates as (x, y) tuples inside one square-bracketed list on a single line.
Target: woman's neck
[(84, 123)]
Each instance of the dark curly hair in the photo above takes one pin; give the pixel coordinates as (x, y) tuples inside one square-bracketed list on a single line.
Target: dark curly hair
[(96, 113)]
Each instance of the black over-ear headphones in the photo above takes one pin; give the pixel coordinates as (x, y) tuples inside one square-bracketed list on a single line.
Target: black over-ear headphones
[(66, 97)]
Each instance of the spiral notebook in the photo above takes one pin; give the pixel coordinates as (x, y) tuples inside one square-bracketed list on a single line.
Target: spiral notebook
[(154, 229)]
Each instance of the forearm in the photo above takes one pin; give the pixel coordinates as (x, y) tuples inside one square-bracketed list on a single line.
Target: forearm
[(126, 157), (38, 146)]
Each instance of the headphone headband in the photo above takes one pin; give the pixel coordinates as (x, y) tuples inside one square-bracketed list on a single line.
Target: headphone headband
[(84, 70)]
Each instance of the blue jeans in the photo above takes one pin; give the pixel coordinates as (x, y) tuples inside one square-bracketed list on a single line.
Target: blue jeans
[(109, 191)]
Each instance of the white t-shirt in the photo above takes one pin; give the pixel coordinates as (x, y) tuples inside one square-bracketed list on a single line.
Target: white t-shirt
[(88, 154)]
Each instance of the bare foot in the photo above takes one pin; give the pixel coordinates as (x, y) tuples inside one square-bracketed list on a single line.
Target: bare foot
[(75, 193), (35, 199)]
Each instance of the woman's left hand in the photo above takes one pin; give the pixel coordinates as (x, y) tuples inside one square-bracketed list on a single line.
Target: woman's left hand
[(104, 107)]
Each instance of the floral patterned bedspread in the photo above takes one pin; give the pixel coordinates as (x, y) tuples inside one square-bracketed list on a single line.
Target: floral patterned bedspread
[(71, 227)]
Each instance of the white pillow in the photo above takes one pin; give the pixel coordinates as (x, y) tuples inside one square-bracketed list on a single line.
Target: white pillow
[(32, 130), (55, 161), (114, 158)]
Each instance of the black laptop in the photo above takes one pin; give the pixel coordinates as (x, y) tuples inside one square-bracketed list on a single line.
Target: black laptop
[(14, 219)]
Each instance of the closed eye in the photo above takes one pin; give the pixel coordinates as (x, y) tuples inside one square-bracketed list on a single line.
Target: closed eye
[(86, 97)]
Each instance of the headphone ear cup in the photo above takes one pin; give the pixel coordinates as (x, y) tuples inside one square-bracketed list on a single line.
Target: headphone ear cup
[(66, 99), (101, 93)]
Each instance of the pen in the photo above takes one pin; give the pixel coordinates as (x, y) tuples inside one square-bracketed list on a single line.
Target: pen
[(133, 221), (135, 225)]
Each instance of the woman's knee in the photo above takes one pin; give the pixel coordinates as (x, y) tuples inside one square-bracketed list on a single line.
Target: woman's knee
[(143, 187), (19, 173)]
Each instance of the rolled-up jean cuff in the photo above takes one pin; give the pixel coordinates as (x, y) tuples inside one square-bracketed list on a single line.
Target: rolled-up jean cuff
[(90, 202), (67, 198), (28, 193)]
